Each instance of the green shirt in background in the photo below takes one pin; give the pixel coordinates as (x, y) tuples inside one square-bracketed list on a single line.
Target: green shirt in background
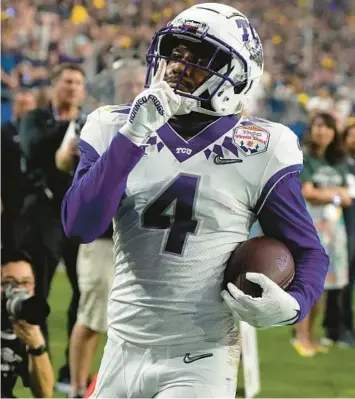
[(323, 175), (328, 218)]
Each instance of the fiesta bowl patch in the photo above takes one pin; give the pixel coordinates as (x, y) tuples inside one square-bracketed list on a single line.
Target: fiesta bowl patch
[(251, 139)]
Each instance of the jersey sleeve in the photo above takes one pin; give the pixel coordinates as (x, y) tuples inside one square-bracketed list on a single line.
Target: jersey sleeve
[(284, 216), (106, 159), (101, 127), (286, 159)]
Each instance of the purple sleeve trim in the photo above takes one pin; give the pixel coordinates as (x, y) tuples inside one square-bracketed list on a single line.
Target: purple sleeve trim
[(272, 182), (284, 216), (91, 202)]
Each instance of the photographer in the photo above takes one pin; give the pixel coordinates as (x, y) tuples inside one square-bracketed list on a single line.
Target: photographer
[(43, 131), (23, 349)]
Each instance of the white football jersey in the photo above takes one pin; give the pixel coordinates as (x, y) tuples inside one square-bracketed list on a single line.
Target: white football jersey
[(187, 205)]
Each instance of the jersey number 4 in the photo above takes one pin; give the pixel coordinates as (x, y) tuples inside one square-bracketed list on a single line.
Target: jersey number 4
[(173, 210)]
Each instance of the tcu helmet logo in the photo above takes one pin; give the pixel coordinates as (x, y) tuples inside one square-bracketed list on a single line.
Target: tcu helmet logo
[(180, 150), (252, 42)]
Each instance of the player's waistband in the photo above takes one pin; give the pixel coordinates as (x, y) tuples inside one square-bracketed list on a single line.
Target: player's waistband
[(174, 349)]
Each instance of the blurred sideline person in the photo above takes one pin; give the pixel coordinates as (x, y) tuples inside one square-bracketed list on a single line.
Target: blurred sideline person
[(23, 347), (325, 190), (349, 216), (95, 263), (95, 274), (173, 172), (14, 183), (42, 132), (129, 81)]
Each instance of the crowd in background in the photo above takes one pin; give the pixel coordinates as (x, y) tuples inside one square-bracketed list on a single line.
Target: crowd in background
[(309, 49)]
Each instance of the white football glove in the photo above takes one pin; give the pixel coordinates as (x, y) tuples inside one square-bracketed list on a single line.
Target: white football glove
[(274, 308), (152, 108)]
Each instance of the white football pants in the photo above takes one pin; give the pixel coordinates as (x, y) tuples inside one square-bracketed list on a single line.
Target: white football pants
[(207, 371)]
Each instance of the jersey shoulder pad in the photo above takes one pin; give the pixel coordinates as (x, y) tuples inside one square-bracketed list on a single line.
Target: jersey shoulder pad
[(103, 124), (287, 150), (283, 144), (282, 157), (261, 122), (273, 128)]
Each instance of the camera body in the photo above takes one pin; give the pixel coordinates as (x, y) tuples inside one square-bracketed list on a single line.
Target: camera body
[(17, 303), (12, 300)]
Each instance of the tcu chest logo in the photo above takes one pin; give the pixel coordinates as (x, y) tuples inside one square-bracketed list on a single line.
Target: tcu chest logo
[(182, 150)]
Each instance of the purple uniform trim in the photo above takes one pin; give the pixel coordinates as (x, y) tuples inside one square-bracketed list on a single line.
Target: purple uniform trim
[(284, 216), (207, 135), (91, 202), (272, 182)]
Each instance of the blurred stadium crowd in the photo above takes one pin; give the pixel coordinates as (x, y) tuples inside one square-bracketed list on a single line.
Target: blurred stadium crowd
[(308, 46), (309, 49)]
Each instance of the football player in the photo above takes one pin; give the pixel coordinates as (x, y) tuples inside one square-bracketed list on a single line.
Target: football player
[(184, 176)]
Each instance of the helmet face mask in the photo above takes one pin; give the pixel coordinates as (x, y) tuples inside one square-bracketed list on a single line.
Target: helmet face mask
[(228, 57)]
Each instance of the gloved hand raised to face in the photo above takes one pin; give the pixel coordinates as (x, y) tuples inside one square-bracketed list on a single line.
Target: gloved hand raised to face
[(152, 108)]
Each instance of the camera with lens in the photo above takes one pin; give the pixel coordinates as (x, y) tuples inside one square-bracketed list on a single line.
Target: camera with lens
[(17, 303)]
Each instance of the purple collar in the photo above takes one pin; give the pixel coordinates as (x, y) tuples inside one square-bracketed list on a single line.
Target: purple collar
[(185, 149)]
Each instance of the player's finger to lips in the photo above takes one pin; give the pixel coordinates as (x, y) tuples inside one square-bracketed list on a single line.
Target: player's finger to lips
[(159, 76), (155, 77), (162, 70)]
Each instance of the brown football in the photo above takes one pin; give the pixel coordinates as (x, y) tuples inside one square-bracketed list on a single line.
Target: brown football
[(260, 255)]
